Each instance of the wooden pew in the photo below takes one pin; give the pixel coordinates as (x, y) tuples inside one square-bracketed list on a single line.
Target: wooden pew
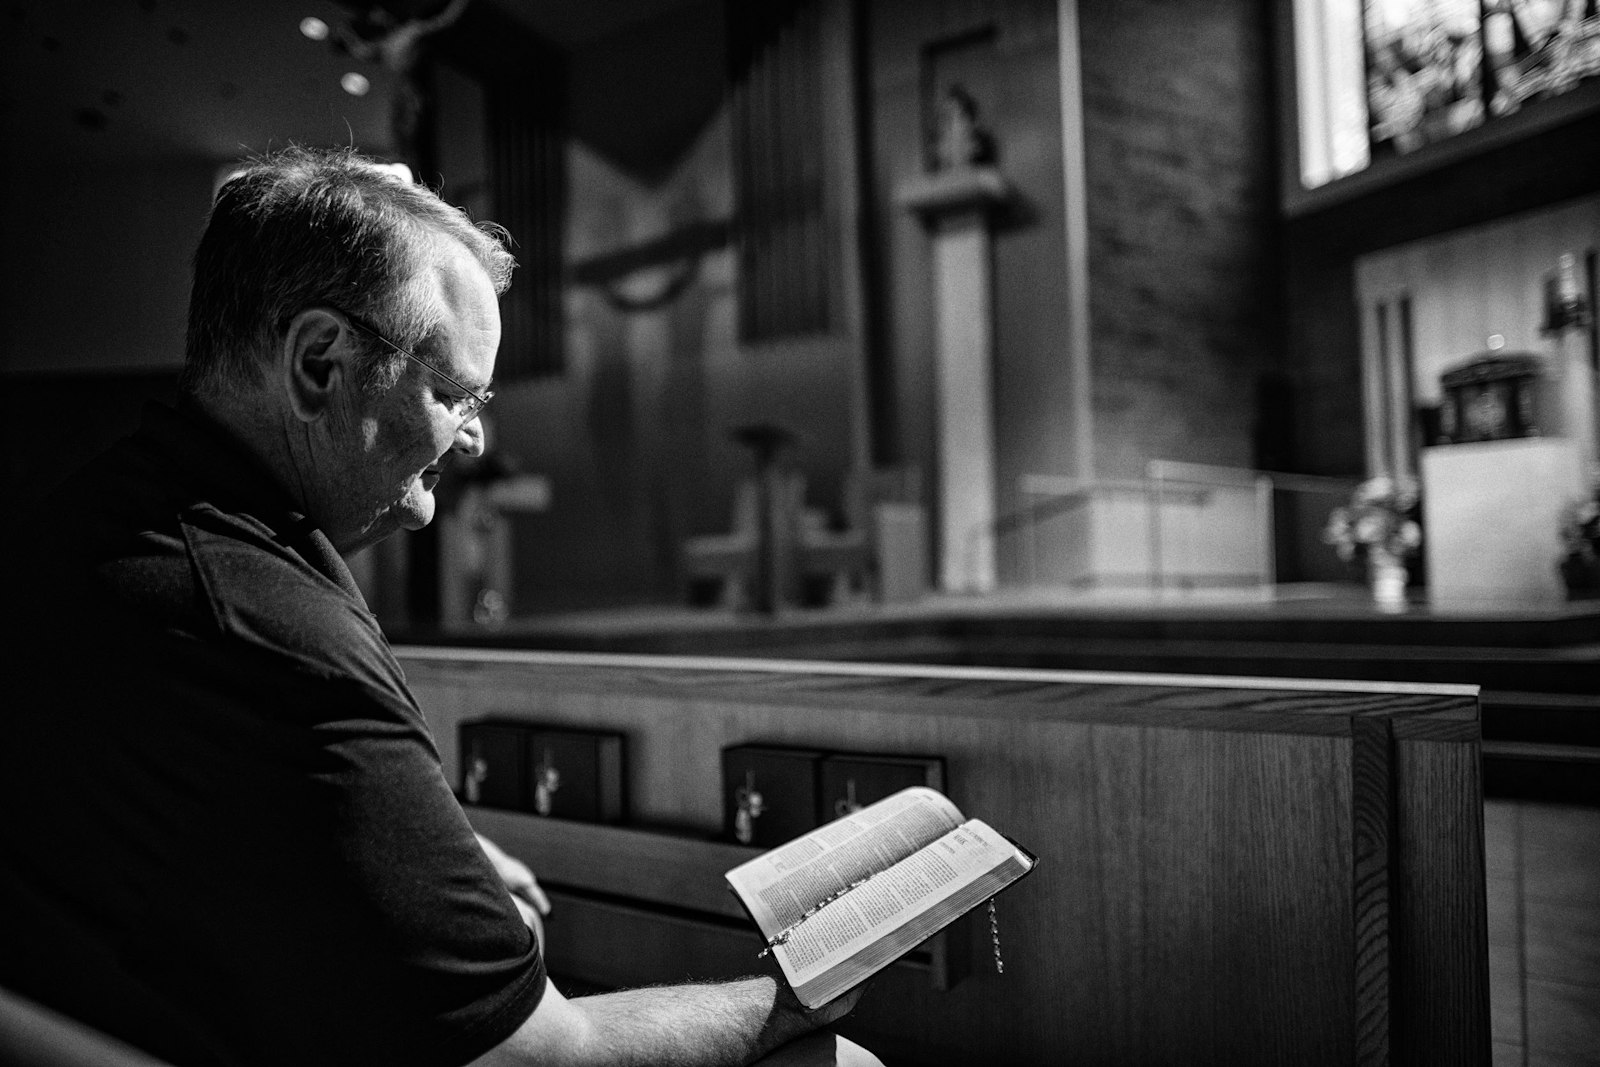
[(1232, 870), (36, 1036)]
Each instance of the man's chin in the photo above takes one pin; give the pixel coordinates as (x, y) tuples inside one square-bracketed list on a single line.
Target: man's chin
[(414, 522), (417, 512)]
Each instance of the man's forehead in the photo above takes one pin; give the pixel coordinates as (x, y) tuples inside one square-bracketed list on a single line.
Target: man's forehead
[(468, 334)]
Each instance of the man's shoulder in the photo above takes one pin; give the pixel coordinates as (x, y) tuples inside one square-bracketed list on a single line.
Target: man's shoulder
[(172, 534), (261, 592)]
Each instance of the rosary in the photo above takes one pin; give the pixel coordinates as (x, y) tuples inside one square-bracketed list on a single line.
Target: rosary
[(782, 937), (994, 936)]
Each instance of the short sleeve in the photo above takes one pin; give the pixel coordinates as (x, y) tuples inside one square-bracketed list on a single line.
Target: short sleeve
[(425, 899), (407, 947)]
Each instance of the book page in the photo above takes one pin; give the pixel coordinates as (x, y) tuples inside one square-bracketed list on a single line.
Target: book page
[(781, 886), (870, 913)]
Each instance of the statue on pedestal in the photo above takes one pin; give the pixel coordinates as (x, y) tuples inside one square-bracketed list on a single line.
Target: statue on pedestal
[(962, 141)]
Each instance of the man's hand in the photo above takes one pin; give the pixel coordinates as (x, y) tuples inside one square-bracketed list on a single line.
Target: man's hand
[(827, 1014), (824, 1015), (525, 892)]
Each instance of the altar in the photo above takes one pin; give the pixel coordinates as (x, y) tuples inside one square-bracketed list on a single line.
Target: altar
[(1478, 368), (1492, 511)]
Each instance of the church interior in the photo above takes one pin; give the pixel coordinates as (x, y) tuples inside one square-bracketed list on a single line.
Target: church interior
[(1174, 423)]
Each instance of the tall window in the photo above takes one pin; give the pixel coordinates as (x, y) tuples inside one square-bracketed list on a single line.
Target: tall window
[(1378, 79), (1331, 90)]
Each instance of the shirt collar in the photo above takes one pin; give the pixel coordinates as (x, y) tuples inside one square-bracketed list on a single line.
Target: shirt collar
[(213, 458)]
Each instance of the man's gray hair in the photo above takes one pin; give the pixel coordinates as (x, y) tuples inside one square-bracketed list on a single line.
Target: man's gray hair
[(300, 228)]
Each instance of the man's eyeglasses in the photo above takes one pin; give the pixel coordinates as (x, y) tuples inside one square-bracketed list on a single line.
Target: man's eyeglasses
[(468, 407)]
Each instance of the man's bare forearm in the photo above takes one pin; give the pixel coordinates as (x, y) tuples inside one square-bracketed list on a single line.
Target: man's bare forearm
[(720, 1024), (712, 1025)]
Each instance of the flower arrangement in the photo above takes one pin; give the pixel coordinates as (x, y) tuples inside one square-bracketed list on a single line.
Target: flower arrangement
[(1381, 519), (1580, 527), (1580, 536)]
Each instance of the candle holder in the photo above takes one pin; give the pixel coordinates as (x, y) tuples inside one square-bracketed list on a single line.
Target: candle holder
[(1566, 306)]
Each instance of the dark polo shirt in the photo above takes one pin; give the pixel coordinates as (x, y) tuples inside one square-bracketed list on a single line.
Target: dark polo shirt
[(226, 834)]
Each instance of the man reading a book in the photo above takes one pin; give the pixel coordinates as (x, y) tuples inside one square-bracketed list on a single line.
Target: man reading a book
[(227, 835)]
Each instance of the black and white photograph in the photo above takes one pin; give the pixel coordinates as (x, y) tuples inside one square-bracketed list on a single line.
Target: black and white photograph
[(784, 533)]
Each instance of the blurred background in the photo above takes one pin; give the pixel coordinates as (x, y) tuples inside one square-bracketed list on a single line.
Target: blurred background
[(1034, 295)]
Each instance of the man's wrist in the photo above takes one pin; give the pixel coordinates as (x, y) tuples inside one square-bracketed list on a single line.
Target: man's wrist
[(818, 1017)]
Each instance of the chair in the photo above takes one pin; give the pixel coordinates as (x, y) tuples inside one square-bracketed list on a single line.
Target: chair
[(728, 559), (879, 549)]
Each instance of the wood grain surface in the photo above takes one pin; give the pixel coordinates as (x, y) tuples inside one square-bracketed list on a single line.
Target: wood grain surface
[(1372, 813), (1231, 872)]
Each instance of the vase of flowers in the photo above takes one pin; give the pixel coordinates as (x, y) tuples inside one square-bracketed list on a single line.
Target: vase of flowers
[(1580, 535), (1379, 528)]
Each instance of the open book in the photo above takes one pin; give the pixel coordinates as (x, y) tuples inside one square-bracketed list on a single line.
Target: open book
[(844, 901)]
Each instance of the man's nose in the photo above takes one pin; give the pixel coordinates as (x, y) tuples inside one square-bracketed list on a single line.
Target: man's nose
[(472, 438)]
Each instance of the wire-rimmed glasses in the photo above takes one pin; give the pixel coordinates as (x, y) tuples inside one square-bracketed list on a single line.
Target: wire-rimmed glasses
[(472, 404)]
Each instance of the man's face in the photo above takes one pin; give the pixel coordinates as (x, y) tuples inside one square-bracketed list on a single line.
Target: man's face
[(403, 435)]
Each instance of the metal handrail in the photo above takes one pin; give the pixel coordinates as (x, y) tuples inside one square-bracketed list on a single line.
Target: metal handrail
[(1213, 474)]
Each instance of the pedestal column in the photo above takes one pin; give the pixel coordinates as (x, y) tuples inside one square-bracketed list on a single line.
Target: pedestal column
[(956, 205)]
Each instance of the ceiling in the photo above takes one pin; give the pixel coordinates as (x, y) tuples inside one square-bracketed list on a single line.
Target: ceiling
[(575, 23), (98, 80)]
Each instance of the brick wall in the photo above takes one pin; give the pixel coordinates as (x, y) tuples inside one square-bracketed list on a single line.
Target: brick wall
[(1184, 290)]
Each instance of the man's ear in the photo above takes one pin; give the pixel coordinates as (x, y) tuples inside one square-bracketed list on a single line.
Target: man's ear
[(317, 361)]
